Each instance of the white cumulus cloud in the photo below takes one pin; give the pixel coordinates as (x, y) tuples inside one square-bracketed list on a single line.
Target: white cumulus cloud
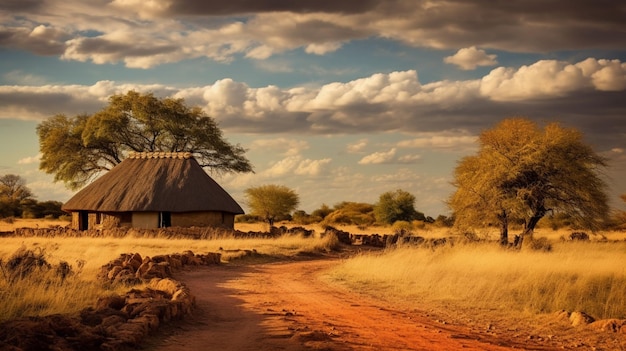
[(552, 78), (287, 147), (30, 160), (470, 58), (442, 140), (357, 147), (296, 165), (379, 157)]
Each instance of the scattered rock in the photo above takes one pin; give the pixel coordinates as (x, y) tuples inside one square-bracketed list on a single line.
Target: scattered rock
[(580, 318), (609, 325)]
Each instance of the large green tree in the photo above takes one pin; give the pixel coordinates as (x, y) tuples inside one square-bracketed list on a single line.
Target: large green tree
[(75, 149), (523, 172), (398, 205), (271, 201)]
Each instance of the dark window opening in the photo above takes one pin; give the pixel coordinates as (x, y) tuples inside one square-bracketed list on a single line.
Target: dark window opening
[(165, 219), (83, 220)]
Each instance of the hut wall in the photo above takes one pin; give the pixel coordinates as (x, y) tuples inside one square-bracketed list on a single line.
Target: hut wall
[(103, 220), (150, 220), (145, 220), (116, 220), (75, 220), (203, 219)]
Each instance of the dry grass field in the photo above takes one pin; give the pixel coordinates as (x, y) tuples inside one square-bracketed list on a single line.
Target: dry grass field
[(586, 276), (573, 276), (43, 293)]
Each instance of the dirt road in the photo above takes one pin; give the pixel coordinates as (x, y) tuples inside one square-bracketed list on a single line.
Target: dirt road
[(286, 306)]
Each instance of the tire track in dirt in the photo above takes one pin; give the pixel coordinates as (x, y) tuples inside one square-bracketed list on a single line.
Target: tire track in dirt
[(285, 306)]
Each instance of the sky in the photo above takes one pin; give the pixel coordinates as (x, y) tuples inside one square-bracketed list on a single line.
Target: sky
[(338, 100)]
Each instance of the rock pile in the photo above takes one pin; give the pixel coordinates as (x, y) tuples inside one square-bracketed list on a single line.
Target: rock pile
[(132, 269), (582, 319)]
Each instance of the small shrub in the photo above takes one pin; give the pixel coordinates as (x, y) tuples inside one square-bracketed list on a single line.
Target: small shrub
[(9, 220), (246, 218), (581, 236), (539, 244), (23, 262), (402, 227)]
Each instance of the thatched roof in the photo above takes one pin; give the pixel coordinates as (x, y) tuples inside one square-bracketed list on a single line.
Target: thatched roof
[(172, 182)]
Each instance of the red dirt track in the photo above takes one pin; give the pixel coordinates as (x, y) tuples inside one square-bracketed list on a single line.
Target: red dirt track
[(286, 306)]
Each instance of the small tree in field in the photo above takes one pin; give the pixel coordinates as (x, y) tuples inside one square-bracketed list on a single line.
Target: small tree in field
[(13, 191), (395, 206), (522, 172), (271, 201)]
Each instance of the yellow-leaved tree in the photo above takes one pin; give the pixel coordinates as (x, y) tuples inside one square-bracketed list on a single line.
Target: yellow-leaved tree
[(271, 201), (523, 172)]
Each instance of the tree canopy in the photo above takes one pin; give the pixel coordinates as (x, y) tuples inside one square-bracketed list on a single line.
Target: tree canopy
[(13, 191), (17, 200), (395, 206), (349, 212), (271, 201), (523, 172), (75, 149), (13, 187)]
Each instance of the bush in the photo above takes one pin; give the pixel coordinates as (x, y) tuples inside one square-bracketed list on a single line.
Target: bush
[(538, 244), (402, 227), (22, 263), (246, 218), (351, 213), (301, 217), (9, 219)]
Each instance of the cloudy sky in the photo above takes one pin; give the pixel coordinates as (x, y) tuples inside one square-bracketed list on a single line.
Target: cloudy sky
[(339, 100)]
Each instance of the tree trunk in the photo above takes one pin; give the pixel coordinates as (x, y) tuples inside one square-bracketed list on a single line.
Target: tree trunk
[(529, 228), (504, 228)]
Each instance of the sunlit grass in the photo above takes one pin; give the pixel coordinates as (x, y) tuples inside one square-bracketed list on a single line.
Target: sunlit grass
[(43, 293), (587, 276)]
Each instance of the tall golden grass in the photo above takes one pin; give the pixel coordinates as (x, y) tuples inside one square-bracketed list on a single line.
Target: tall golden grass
[(587, 276), (574, 276), (42, 293)]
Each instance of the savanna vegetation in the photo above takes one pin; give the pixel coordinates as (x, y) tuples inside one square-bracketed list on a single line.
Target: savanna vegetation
[(573, 276), (537, 181), (42, 291), (523, 172), (18, 201)]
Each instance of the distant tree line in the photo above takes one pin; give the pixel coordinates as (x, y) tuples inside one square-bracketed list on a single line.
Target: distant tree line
[(274, 203), (271, 203), (18, 201)]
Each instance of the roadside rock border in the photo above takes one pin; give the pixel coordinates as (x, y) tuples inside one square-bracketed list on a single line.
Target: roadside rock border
[(116, 322)]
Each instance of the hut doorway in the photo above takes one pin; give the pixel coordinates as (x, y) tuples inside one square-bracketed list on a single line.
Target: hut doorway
[(83, 220), (165, 219)]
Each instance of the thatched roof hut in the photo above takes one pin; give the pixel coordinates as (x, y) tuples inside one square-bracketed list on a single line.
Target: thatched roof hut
[(152, 190)]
